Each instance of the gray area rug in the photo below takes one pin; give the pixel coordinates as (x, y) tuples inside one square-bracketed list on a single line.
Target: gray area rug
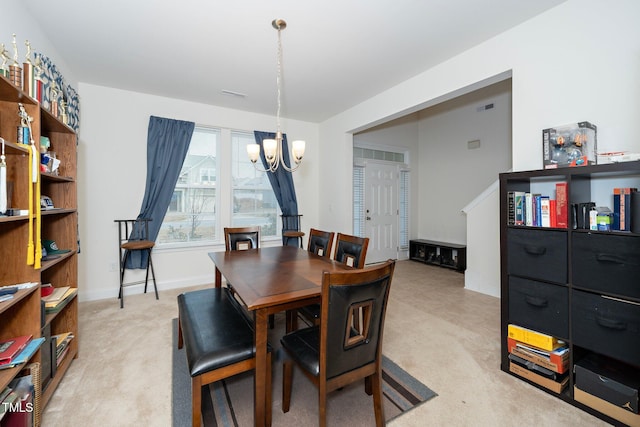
[(230, 402)]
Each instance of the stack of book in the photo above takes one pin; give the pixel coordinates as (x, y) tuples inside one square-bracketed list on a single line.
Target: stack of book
[(18, 350), (622, 208), (539, 210), (62, 345), (538, 357), (59, 298)]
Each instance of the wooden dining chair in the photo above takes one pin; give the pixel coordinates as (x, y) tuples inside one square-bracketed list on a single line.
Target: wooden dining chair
[(342, 350), (320, 242), (351, 251), (242, 239)]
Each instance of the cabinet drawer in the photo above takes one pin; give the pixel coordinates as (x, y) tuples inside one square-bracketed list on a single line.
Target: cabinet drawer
[(606, 326), (539, 306), (537, 254), (606, 263)]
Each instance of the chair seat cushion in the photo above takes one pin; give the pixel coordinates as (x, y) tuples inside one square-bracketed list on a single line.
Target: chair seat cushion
[(215, 332), (304, 346), (293, 233), (135, 245)]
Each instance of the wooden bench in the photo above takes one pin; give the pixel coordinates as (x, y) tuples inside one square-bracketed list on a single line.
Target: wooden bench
[(219, 342)]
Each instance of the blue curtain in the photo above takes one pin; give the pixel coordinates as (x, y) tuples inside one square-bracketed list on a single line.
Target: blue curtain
[(281, 180), (167, 145)]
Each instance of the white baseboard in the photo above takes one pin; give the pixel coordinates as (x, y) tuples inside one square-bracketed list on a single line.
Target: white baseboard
[(99, 294)]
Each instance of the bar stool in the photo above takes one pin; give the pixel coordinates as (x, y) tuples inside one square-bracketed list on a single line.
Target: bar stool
[(291, 229), (133, 236)]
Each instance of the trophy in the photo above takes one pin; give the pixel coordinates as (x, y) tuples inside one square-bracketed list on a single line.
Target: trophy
[(23, 136), (27, 72), (38, 84), (15, 72), (54, 99), (4, 54)]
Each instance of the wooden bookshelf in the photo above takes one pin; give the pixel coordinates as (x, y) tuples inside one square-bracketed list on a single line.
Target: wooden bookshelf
[(22, 315)]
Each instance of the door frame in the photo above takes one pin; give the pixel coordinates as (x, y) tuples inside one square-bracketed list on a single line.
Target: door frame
[(402, 162)]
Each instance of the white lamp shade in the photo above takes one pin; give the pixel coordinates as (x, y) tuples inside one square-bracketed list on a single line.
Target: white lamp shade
[(270, 146), (298, 149), (253, 150)]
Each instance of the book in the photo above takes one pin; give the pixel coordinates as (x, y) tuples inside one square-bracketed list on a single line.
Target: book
[(54, 307), (520, 207), (9, 349), (25, 354), (537, 215), (552, 213), (528, 202), (56, 296), (545, 214), (622, 208), (562, 207), (511, 208)]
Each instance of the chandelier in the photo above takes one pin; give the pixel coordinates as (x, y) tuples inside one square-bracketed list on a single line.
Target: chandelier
[(273, 149)]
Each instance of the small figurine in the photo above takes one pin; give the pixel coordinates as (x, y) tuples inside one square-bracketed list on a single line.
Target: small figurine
[(27, 56), (15, 51)]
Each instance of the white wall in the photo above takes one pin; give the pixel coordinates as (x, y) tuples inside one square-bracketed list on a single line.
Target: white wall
[(112, 174), (578, 61), (451, 175)]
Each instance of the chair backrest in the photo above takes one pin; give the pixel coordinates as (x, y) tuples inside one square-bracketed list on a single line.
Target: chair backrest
[(133, 229), (353, 310), (351, 250), (320, 242), (241, 238), (290, 222)]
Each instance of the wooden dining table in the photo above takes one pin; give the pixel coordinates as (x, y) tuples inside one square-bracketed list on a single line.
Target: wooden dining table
[(270, 280)]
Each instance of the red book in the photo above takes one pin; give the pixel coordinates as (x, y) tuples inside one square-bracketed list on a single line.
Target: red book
[(11, 348), (562, 207), (553, 209)]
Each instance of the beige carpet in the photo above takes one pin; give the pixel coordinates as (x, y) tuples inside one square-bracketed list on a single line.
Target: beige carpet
[(445, 336)]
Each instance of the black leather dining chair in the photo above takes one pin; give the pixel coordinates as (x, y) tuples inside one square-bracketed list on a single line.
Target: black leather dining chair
[(347, 346), (351, 251), (241, 238), (320, 242)]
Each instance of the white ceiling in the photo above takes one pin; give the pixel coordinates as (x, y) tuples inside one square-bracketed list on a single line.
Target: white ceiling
[(336, 53)]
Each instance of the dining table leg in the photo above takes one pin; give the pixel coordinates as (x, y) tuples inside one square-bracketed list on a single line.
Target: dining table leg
[(218, 283), (260, 377)]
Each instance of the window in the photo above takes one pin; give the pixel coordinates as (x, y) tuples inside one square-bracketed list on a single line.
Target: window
[(191, 216), (254, 202), (217, 187), (358, 201)]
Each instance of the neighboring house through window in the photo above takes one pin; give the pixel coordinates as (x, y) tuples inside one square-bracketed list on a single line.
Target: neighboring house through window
[(199, 208)]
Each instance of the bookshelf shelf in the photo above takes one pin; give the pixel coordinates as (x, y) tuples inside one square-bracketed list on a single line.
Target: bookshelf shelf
[(559, 281), (22, 315)]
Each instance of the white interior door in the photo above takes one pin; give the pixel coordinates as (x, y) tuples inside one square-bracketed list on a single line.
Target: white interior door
[(381, 214)]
